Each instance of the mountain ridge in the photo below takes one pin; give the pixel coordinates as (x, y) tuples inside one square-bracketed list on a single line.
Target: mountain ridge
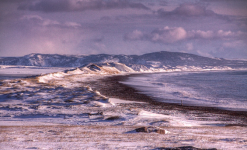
[(162, 59)]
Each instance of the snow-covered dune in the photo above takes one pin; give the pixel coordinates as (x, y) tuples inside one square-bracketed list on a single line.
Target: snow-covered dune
[(119, 68), (90, 69)]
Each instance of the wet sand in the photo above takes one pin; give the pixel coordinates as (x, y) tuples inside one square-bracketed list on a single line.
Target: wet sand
[(112, 87)]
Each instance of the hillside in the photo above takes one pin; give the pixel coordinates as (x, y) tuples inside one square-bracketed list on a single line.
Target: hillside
[(163, 59)]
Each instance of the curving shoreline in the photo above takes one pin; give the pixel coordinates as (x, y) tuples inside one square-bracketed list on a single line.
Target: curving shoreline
[(66, 109), (112, 87)]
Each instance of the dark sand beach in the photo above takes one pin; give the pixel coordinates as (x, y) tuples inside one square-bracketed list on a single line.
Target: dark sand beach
[(82, 118), (112, 87)]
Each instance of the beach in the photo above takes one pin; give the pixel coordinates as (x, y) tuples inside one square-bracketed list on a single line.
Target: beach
[(99, 112), (123, 74), (113, 87)]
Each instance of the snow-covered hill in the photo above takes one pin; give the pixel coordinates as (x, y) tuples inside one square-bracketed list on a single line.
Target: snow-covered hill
[(151, 61)]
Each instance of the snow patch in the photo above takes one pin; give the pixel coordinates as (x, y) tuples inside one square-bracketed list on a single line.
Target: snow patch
[(52, 76)]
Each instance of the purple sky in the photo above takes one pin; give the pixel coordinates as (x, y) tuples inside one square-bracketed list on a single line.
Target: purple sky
[(213, 28)]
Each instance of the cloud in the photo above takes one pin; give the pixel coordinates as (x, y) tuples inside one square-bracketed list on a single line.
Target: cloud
[(187, 10), (35, 34), (72, 25), (176, 34), (202, 34), (135, 35), (78, 5), (168, 35), (165, 35), (36, 20), (220, 34), (13, 1)]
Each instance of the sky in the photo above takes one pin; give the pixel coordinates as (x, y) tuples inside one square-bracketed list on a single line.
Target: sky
[(211, 28)]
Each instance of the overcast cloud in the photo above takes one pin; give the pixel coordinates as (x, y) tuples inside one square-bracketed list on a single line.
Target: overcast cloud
[(214, 28), (176, 34), (187, 9), (78, 5)]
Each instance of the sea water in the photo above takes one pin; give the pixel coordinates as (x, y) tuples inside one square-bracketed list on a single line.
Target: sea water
[(222, 89), (12, 76), (16, 72)]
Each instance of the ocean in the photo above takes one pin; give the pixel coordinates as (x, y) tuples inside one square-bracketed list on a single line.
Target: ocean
[(13, 76), (220, 89)]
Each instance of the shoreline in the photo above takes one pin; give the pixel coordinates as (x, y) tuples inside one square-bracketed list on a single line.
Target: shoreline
[(64, 112), (112, 87)]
